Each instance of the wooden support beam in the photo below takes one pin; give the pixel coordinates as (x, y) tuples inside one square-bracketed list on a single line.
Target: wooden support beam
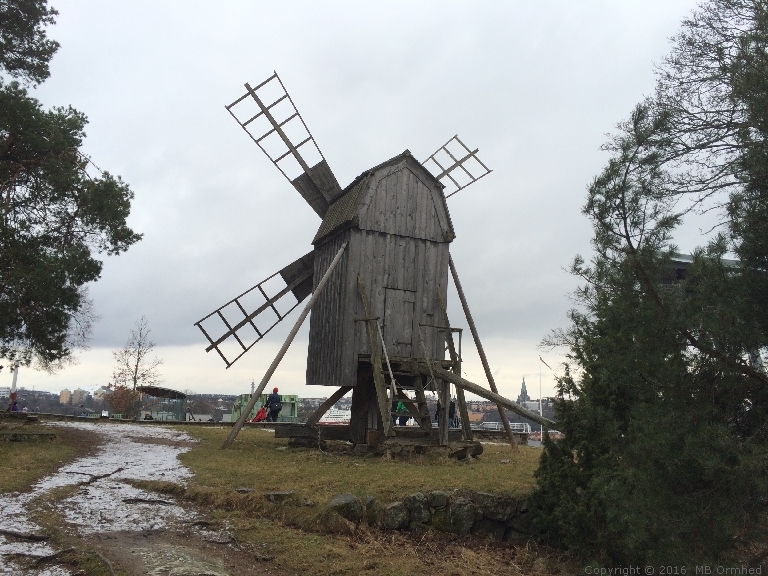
[(271, 370), (462, 401), (378, 378), (442, 422), (466, 427), (442, 394), (481, 351), (365, 411), (323, 408), (423, 408), (487, 394)]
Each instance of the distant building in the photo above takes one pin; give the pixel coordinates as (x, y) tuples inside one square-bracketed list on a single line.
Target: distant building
[(79, 396), (65, 397), (523, 394), (310, 403), (5, 391), (475, 416), (480, 406), (532, 405), (101, 392)]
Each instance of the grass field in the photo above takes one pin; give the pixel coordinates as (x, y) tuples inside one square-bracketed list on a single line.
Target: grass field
[(297, 538), (23, 463), (260, 461)]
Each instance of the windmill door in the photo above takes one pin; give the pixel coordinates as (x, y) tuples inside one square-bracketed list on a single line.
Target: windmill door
[(398, 321)]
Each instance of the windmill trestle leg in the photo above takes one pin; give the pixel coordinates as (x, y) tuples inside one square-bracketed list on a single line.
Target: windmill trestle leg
[(425, 420), (378, 378), (365, 419), (443, 394)]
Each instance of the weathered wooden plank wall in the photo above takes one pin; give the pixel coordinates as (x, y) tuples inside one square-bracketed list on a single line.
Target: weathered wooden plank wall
[(404, 243), (422, 271), (326, 326), (403, 205), (400, 248)]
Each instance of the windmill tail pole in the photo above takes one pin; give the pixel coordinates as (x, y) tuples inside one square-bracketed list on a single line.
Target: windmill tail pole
[(271, 370), (488, 395), (480, 350)]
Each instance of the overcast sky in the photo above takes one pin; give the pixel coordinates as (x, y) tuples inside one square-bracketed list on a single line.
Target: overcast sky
[(534, 85)]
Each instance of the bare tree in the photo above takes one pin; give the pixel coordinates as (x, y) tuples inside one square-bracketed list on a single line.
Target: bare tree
[(136, 365)]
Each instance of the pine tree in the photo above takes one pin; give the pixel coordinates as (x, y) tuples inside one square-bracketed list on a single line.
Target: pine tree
[(56, 211), (664, 400)]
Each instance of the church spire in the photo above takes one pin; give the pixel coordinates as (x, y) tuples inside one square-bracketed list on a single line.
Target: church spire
[(523, 394)]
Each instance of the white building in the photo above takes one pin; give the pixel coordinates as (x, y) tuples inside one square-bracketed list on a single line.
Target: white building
[(5, 391), (100, 393)]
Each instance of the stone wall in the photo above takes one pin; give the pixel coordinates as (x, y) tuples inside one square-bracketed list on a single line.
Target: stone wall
[(459, 512)]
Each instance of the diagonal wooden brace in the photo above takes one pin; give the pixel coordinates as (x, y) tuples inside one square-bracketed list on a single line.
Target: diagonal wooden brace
[(481, 351), (324, 407), (378, 377), (466, 428), (292, 334), (487, 394), (416, 413)]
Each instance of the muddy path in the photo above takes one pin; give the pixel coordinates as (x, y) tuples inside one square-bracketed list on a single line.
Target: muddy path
[(89, 514)]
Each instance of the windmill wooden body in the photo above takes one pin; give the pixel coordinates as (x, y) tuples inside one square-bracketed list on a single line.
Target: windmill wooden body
[(395, 222), (378, 273)]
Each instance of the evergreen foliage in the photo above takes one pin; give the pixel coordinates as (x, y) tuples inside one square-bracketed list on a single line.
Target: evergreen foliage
[(54, 215), (664, 399), (24, 48)]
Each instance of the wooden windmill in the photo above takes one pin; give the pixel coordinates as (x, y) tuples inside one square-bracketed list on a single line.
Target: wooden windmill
[(377, 276)]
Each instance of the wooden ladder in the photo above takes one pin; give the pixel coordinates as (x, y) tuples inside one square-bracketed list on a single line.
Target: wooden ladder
[(417, 408)]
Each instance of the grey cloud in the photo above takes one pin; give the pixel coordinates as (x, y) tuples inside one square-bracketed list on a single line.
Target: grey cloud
[(534, 86)]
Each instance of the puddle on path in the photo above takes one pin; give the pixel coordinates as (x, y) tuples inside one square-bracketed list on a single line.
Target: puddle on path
[(104, 502)]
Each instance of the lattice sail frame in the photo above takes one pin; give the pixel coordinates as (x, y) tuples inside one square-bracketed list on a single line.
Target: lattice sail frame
[(241, 330), (315, 183), (465, 155)]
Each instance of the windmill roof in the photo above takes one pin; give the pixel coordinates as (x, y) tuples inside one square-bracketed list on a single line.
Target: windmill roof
[(341, 213)]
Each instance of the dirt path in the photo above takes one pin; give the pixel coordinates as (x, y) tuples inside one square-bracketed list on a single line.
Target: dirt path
[(89, 507)]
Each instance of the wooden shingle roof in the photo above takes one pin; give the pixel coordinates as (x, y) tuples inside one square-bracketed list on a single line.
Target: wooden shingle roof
[(341, 213)]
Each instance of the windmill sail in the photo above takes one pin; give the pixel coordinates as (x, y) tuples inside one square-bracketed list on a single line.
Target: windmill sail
[(235, 327), (456, 166), (279, 130)]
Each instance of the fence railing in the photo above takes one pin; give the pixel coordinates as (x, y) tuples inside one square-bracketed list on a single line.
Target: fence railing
[(519, 427)]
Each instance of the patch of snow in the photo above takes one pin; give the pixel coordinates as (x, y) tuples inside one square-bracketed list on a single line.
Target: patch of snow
[(18, 571), (102, 507), (100, 503)]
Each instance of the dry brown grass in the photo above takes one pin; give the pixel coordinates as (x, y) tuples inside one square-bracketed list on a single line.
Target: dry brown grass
[(302, 539), (262, 462), (23, 463)]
